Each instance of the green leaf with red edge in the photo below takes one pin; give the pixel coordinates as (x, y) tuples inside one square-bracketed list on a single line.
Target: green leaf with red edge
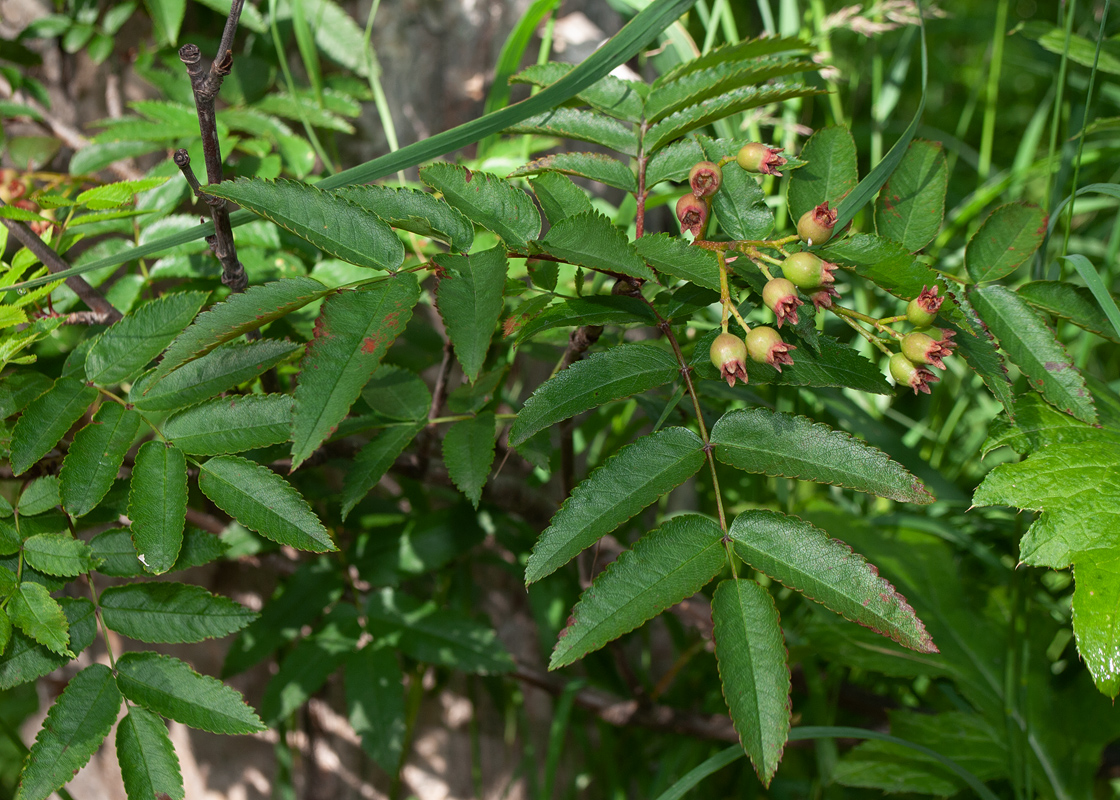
[(804, 558), (584, 126), (739, 205), (663, 568), (157, 505), (751, 654), (374, 460), (769, 442), (622, 371), (148, 762), (327, 220), (470, 303), (264, 502), (172, 689), (1096, 617), (468, 452), (593, 166), (829, 174), (240, 313), (627, 482), (977, 347), (122, 351), (95, 456), (492, 202), (47, 419), (1032, 346), (75, 726), (911, 204), (352, 333), (1009, 236), (591, 240)]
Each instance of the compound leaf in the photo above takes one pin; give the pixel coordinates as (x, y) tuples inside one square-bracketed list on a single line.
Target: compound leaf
[(593, 166), (585, 126), (375, 703), (36, 613), (172, 689), (240, 313), (1034, 348), (627, 482), (911, 204), (327, 220), (58, 554), (157, 505), (171, 612), (73, 730), (1009, 236), (122, 351), (219, 370), (352, 333), (804, 558), (492, 202), (619, 372), (663, 568), (830, 174), (148, 762), (436, 636), (751, 654), (264, 502), (46, 419), (231, 424), (470, 302), (95, 457), (772, 443), (468, 451), (672, 255), (415, 211)]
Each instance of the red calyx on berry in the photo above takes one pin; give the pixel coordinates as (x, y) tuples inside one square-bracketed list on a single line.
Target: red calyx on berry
[(808, 271), (922, 310), (729, 355), (822, 297), (923, 349), (705, 178), (765, 346), (780, 296), (817, 224), (757, 157), (692, 212), (910, 374)]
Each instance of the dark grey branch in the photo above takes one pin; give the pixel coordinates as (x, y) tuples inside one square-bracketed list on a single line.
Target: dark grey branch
[(54, 263), (206, 84)]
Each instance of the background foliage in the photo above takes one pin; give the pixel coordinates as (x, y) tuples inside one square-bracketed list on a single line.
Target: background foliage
[(424, 369)]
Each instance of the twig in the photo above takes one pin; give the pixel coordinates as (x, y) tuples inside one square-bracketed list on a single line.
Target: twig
[(54, 263), (205, 84)]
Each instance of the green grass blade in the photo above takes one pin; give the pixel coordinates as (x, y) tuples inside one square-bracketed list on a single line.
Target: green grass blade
[(1097, 287), (871, 183)]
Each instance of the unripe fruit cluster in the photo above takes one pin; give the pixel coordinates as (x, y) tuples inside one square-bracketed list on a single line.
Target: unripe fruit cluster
[(909, 367)]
